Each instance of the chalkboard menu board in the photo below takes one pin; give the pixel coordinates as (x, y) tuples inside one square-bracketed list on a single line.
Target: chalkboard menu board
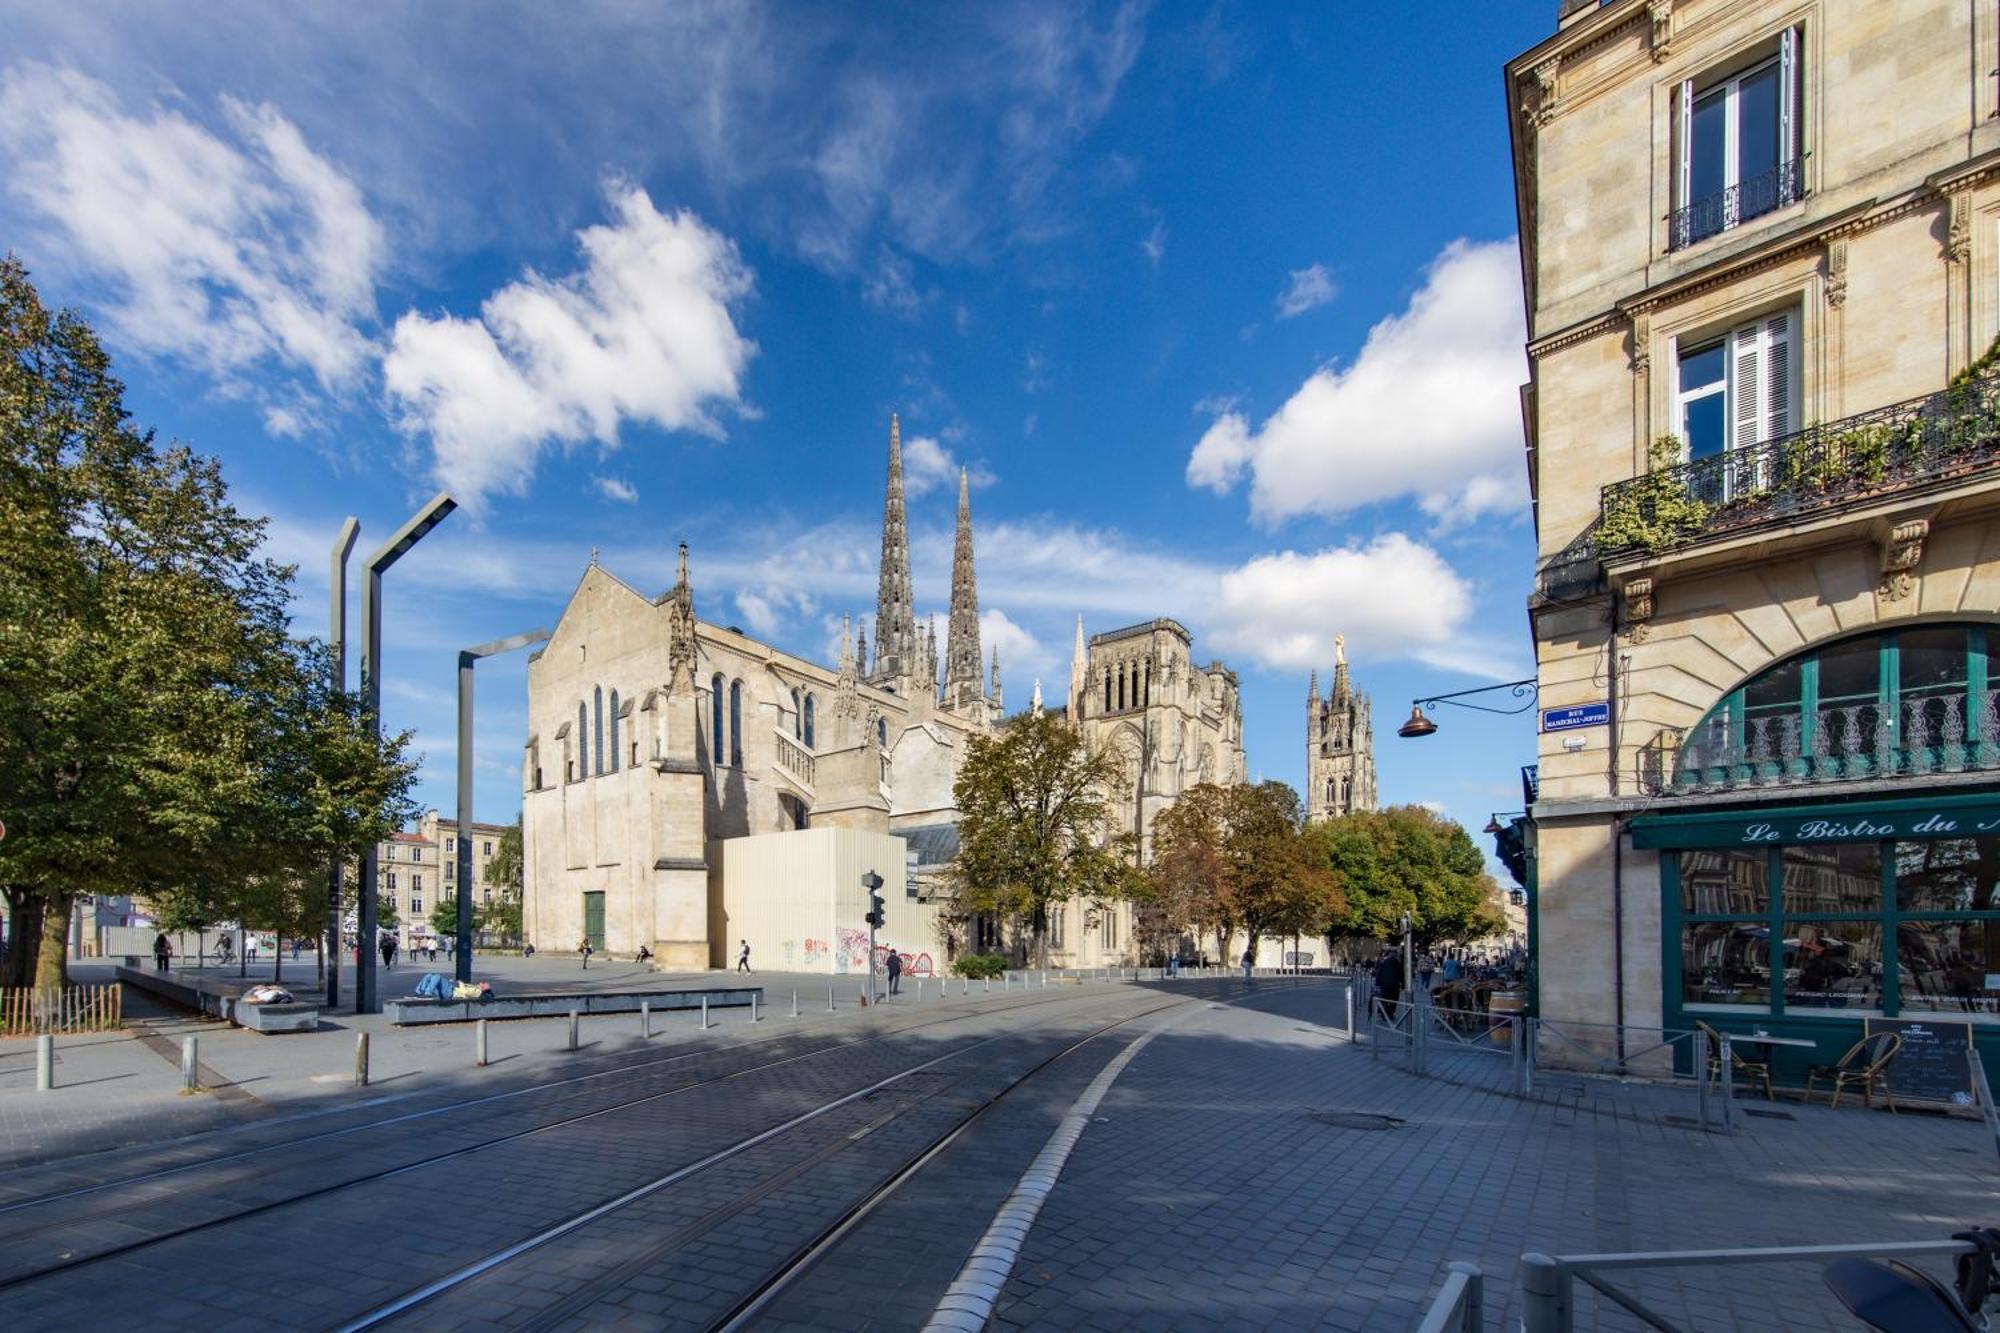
[(1934, 1065)]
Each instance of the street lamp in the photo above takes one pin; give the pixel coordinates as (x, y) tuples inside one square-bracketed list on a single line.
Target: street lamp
[(343, 546), (466, 658), (1421, 725), (366, 1000)]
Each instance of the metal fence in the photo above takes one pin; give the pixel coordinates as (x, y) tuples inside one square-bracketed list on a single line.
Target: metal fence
[(1460, 1306), (25, 1012)]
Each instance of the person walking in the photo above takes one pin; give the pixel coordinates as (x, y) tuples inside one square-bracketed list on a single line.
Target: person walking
[(1248, 959), (743, 958), (1389, 977), (895, 965), (163, 952), (584, 949), (389, 951)]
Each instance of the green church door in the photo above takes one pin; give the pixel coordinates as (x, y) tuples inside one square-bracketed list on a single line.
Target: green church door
[(593, 920)]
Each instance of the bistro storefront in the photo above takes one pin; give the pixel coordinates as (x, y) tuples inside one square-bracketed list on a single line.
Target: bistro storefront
[(1806, 921)]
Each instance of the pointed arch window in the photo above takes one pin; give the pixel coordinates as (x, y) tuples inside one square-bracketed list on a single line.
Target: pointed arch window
[(809, 722), (1121, 685), (582, 739), (1107, 689), (716, 752), (882, 733), (798, 717), (1147, 698), (614, 731), (597, 727), (736, 724)]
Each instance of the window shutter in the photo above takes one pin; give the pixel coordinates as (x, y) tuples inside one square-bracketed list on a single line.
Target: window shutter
[(1788, 94), (1779, 368), (1746, 364), (1685, 185)]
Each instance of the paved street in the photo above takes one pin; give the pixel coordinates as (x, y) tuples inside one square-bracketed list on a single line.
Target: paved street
[(670, 1183)]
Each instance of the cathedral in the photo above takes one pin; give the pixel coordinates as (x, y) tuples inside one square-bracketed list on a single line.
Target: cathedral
[(1340, 745), (658, 742)]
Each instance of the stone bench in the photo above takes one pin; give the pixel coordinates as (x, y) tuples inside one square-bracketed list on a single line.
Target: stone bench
[(412, 1011), (221, 999)]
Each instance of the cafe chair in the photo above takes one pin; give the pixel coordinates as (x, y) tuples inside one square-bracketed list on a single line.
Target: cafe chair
[(1865, 1066), (1758, 1071)]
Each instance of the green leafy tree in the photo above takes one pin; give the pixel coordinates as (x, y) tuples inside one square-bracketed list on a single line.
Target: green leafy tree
[(1238, 858), (502, 918), (1407, 859), (1034, 825), (161, 734), (444, 915)]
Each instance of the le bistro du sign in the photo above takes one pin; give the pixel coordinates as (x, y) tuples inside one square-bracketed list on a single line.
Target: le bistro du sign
[(1948, 817)]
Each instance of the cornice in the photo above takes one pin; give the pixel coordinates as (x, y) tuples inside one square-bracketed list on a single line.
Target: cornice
[(1973, 171)]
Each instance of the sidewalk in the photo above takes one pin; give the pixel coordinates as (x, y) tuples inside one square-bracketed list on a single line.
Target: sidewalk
[(1213, 1189)]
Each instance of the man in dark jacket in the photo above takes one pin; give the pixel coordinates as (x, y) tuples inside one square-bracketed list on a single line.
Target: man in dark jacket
[(1389, 976), (895, 966)]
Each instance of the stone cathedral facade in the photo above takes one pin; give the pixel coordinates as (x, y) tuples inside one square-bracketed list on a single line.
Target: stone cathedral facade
[(1340, 745)]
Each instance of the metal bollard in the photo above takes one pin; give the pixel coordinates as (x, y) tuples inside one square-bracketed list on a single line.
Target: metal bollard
[(1045, 978), (704, 1013), (190, 1064), (45, 1063), (829, 999), (1545, 1295), (753, 1008), (920, 990), (795, 1003), (966, 989), (986, 985), (479, 1044), (360, 1059), (572, 1029)]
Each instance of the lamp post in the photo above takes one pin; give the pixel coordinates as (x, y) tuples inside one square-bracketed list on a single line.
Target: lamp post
[(366, 998), (1420, 724), (343, 546), (467, 657)]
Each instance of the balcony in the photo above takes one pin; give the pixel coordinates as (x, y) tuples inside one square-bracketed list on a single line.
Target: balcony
[(1924, 442), (1948, 732), (1783, 184)]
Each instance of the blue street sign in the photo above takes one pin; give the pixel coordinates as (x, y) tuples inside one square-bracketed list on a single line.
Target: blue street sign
[(1576, 715)]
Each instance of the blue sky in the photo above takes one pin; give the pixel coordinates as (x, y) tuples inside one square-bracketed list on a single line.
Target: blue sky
[(1218, 303)]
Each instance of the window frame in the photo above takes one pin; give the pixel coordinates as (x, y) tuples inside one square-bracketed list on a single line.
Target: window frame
[(1687, 99)]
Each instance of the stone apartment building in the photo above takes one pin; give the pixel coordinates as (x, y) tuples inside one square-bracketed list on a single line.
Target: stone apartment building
[(1760, 247), (420, 866)]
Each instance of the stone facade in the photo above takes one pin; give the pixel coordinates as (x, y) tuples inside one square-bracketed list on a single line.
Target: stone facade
[(1691, 300), (419, 867), (1340, 745)]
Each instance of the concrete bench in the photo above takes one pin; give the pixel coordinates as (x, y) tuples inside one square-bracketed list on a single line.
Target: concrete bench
[(221, 999), (411, 1011)]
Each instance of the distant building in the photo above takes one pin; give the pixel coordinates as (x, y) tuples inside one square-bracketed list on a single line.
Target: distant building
[(1340, 745)]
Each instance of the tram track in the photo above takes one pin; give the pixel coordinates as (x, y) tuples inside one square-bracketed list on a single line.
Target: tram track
[(121, 1208)]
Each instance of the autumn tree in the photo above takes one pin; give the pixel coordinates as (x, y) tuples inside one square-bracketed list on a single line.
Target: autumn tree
[(1236, 858), (1034, 825), (1408, 859), (1188, 879), (161, 733)]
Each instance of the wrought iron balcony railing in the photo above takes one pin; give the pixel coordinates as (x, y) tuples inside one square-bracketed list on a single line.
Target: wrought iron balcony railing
[(1940, 732), (1947, 435), (1783, 184)]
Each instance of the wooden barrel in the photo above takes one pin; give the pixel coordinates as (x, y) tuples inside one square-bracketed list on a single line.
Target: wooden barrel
[(1504, 1005)]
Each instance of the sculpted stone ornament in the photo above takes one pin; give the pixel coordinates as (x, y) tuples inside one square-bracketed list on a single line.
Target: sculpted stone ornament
[(1836, 274), (1661, 12), (1638, 609), (1958, 235), (1544, 107), (1901, 555)]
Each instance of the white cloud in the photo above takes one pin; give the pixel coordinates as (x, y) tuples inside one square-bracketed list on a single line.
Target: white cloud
[(1022, 657), (1155, 243), (644, 332), (1391, 597), (927, 464), (616, 488), (1306, 289), (236, 249), (758, 614), (892, 287), (1430, 408)]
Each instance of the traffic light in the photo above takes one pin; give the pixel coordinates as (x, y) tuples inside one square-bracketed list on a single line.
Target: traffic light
[(872, 882)]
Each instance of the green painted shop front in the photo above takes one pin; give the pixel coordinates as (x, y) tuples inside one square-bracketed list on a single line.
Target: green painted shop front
[(1805, 921)]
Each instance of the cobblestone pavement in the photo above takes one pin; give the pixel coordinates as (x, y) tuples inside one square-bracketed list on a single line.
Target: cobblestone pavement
[(516, 1164)]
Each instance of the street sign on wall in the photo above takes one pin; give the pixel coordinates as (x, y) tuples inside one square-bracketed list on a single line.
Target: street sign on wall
[(1571, 716)]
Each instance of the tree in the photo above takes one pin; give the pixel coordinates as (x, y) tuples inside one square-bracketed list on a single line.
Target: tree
[(1408, 859), (1237, 858), (502, 918), (1188, 879), (1034, 825), (161, 733), (502, 915), (444, 915)]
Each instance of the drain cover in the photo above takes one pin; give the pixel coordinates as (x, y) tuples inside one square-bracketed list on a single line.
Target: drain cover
[(1357, 1120), (1769, 1115)]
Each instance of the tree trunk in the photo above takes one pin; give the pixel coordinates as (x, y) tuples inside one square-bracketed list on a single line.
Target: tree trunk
[(24, 938), (52, 964)]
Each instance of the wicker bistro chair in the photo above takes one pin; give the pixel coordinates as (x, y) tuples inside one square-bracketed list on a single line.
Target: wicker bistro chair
[(1759, 1071), (1865, 1066)]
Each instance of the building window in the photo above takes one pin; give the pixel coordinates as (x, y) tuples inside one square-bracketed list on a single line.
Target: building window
[(582, 739), (736, 723), (1738, 141), (615, 748), (450, 846), (1057, 915), (798, 717), (486, 848), (809, 722), (416, 905), (1872, 706), (416, 884), (1108, 917), (1734, 392), (391, 878), (882, 733), (716, 752), (597, 729)]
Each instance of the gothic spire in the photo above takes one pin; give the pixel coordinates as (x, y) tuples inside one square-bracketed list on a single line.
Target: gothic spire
[(961, 667), (996, 676), (1077, 666), (895, 620), (861, 647)]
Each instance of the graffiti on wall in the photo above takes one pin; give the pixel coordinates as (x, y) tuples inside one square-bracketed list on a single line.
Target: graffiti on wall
[(852, 953), (789, 946), (914, 964), (814, 952)]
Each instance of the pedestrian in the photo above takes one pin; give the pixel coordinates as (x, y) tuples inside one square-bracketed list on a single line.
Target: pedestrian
[(163, 952), (1453, 969), (1174, 964), (1248, 959), (645, 955), (584, 949), (895, 972), (528, 950), (389, 952), (1426, 969), (296, 944), (743, 958), (1389, 977)]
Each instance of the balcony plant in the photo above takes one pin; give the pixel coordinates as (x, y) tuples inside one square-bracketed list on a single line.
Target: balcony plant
[(1655, 511)]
